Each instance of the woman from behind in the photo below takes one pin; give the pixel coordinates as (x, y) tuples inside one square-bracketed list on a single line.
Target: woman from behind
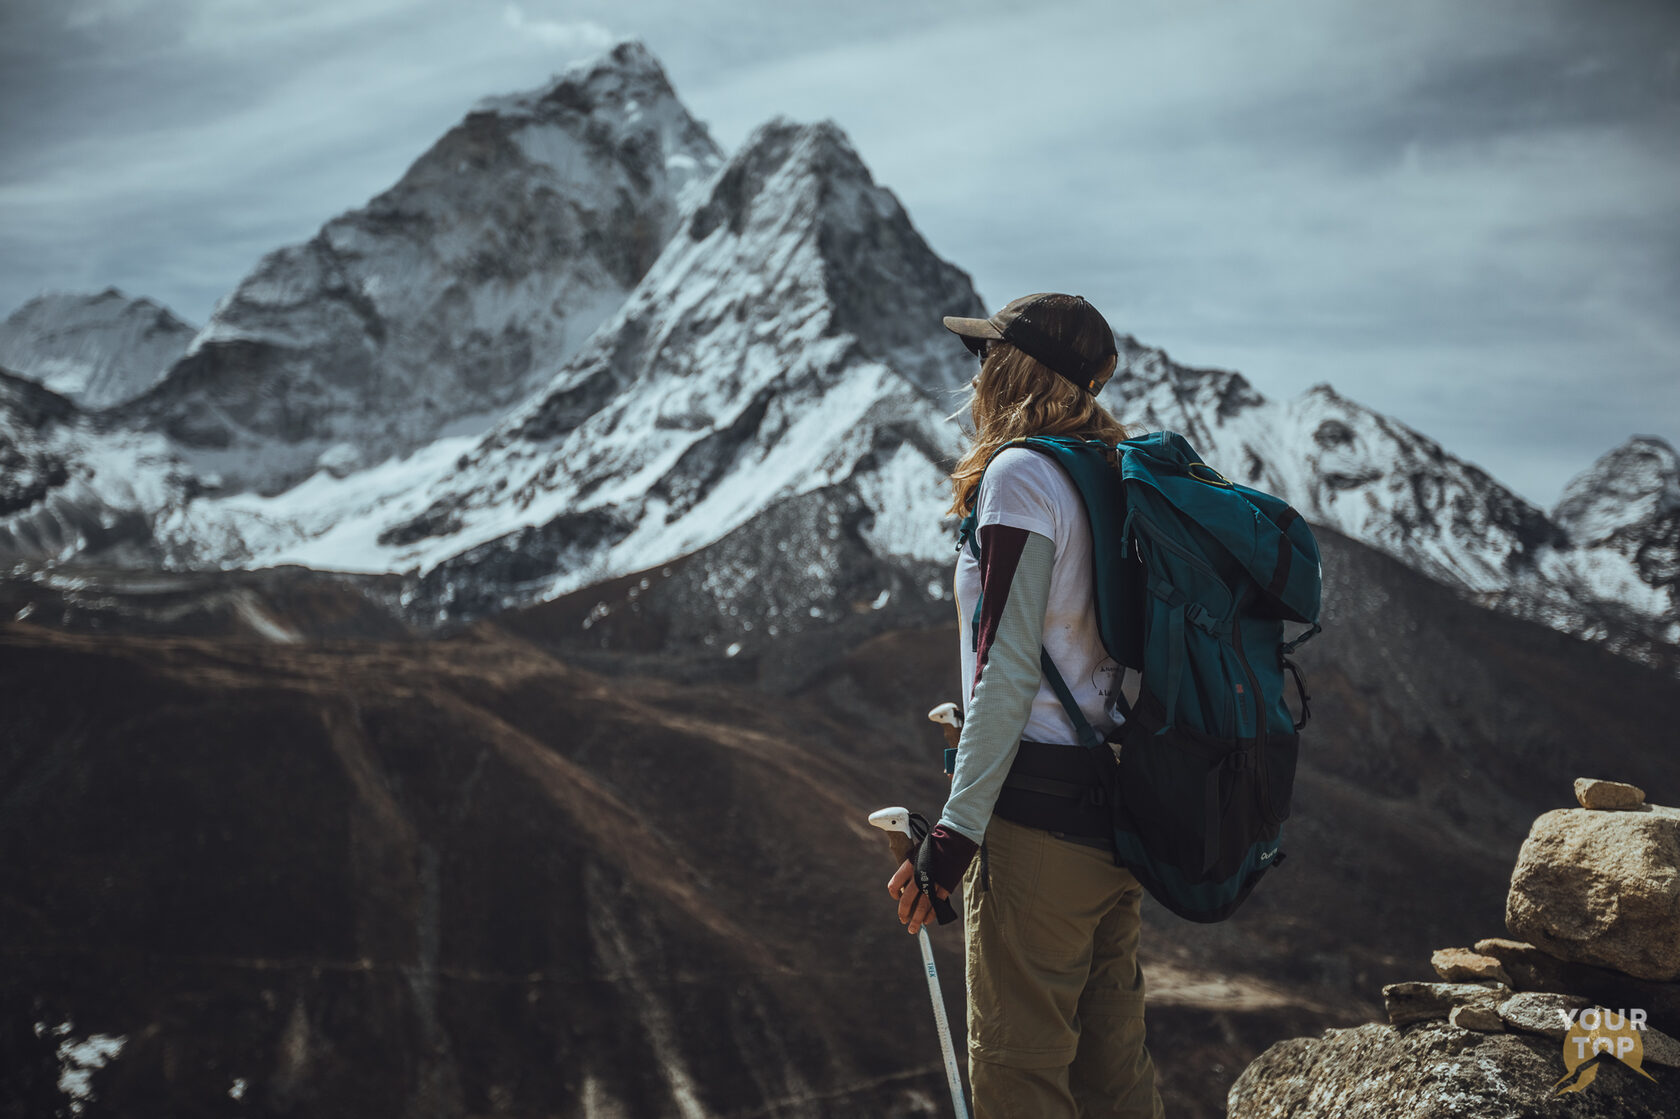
[(1055, 994)]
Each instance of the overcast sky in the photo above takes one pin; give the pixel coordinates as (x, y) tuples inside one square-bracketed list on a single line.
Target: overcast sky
[(1463, 214)]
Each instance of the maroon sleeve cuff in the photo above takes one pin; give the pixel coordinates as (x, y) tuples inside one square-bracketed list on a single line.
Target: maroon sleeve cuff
[(943, 857)]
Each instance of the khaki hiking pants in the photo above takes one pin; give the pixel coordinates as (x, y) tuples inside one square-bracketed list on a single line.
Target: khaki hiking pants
[(1055, 994)]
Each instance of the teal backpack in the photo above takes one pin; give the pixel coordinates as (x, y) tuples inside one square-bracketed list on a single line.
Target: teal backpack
[(1194, 579)]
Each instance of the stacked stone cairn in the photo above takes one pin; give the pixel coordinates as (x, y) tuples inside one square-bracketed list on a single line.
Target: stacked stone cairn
[(1593, 915)]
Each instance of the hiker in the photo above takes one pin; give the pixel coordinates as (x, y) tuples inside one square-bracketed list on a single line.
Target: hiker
[(1055, 995)]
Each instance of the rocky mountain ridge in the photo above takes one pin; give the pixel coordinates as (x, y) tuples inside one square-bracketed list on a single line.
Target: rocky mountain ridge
[(776, 349), (1603, 565), (763, 329)]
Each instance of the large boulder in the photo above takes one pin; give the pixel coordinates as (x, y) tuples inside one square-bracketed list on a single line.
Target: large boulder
[(1602, 888), (1433, 1070)]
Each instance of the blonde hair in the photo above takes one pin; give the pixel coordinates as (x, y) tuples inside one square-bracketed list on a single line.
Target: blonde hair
[(1015, 395)]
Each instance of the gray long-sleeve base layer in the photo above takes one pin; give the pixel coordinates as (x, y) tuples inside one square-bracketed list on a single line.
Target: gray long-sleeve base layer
[(1003, 697)]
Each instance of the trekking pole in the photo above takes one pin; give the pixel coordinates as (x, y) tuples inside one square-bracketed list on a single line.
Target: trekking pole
[(896, 822)]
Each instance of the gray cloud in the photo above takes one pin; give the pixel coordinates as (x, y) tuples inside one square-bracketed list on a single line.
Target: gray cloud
[(1463, 215)]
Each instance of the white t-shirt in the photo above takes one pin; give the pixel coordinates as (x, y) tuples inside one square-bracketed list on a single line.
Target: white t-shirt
[(1026, 489)]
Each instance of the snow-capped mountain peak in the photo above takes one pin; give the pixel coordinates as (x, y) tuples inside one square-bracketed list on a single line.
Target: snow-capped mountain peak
[(1623, 517), (612, 87), (1633, 484), (623, 101), (794, 255), (625, 73), (573, 343), (1343, 465), (787, 340), (98, 350), (450, 296)]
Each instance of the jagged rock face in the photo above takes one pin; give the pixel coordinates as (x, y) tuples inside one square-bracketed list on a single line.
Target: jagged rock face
[(787, 341), (1435, 1070), (29, 469), (97, 350), (453, 294), (67, 488)]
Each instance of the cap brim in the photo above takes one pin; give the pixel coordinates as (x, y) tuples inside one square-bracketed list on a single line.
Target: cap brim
[(973, 328)]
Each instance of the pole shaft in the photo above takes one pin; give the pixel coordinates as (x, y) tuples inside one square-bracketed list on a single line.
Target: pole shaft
[(938, 996)]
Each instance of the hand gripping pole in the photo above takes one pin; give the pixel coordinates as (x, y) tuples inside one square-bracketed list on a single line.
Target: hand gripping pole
[(896, 822)]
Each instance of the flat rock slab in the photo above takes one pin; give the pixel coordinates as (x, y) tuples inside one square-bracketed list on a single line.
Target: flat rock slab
[(1531, 969), (1590, 793), (1503, 948), (1461, 965), (1415, 1002), (1476, 1018), (1436, 1071), (1540, 1012), (1660, 1048), (1602, 888)]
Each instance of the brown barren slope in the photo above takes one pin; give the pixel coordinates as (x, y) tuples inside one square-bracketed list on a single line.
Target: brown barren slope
[(463, 876)]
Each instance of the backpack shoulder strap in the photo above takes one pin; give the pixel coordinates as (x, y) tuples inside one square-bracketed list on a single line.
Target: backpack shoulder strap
[(968, 530), (1092, 466), (1094, 469)]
